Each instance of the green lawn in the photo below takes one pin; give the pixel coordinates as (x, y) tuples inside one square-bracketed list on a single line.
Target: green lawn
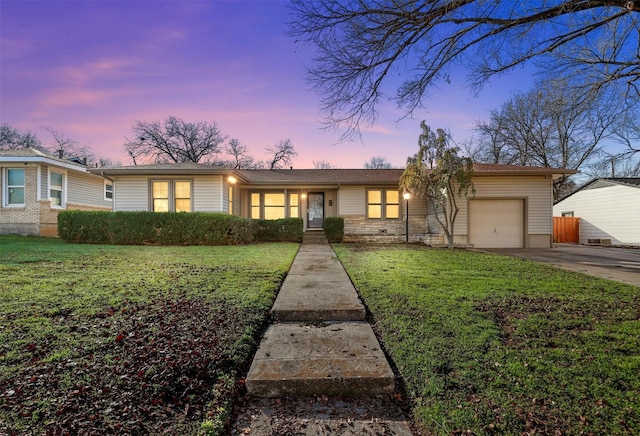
[(491, 344), (129, 339)]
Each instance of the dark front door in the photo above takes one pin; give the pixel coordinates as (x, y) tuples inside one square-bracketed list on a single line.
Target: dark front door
[(315, 211)]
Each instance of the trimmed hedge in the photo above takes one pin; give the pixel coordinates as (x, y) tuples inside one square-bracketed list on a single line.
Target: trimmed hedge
[(283, 230), (140, 228), (334, 228)]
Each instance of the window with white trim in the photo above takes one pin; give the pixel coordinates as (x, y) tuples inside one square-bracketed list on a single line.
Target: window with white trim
[(56, 189), (171, 196), (275, 205), (14, 193), (108, 190), (383, 204)]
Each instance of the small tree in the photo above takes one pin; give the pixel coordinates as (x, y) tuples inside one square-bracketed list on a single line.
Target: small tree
[(281, 153), (438, 175), (377, 163)]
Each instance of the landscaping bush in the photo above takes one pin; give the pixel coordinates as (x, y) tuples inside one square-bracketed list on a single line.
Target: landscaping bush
[(283, 230), (334, 228), (138, 228)]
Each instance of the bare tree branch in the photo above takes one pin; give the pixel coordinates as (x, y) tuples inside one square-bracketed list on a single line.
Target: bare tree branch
[(364, 46), (282, 153), (174, 141)]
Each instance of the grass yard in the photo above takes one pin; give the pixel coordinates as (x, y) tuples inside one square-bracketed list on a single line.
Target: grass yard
[(129, 339), (488, 344)]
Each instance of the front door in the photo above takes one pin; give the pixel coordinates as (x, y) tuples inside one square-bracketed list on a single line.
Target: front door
[(315, 211)]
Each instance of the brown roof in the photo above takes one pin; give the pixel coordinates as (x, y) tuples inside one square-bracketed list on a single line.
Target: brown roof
[(164, 168), (311, 176), (324, 176), (482, 169), (31, 154)]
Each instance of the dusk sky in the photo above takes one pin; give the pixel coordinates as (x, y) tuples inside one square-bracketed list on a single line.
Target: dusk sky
[(91, 69)]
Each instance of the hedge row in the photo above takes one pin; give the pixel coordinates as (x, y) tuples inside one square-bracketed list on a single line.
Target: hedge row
[(142, 228), (334, 229)]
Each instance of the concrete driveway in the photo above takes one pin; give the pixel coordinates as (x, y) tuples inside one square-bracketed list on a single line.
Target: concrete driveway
[(620, 264)]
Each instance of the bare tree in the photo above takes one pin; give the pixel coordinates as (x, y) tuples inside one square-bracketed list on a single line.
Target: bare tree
[(364, 46), (282, 153), (440, 176), (11, 138), (377, 163), (322, 165), (66, 147), (174, 140), (614, 166), (549, 126), (239, 155)]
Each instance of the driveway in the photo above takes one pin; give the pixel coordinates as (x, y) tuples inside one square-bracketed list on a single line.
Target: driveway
[(620, 264)]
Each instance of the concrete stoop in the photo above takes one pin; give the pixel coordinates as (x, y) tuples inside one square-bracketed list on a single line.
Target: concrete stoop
[(338, 358), (314, 237), (320, 344)]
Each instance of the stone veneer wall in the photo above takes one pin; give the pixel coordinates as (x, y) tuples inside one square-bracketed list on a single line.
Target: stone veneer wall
[(360, 229)]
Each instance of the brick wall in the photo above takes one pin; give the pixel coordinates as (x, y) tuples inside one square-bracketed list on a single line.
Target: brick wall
[(36, 217)]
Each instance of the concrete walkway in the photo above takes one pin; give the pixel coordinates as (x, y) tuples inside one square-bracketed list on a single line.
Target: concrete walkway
[(319, 343)]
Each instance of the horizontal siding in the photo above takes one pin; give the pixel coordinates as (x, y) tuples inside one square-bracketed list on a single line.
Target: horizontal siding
[(352, 200), (537, 192), (208, 194), (611, 212), (85, 189), (131, 193)]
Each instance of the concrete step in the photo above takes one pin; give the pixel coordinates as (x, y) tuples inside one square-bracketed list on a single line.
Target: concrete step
[(314, 237), (317, 288), (337, 358), (314, 298)]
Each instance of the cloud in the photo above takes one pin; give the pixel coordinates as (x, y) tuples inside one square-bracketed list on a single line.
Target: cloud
[(15, 48), (111, 68)]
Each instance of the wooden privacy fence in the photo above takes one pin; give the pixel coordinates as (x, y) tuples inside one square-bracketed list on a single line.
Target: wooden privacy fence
[(566, 229)]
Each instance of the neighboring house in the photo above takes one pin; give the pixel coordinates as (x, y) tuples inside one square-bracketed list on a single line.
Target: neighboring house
[(35, 187), (512, 205), (608, 208)]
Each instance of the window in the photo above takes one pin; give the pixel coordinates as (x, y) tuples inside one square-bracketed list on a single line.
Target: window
[(255, 205), (294, 205), (392, 205), (183, 196), (160, 195), (569, 214), (14, 192), (374, 204), (383, 204), (108, 190), (171, 195), (230, 204), (273, 205), (56, 189)]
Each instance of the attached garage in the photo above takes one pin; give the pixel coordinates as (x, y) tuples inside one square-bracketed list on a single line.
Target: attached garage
[(497, 223)]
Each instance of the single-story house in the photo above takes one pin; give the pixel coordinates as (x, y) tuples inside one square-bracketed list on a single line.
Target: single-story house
[(511, 207), (608, 208), (35, 187)]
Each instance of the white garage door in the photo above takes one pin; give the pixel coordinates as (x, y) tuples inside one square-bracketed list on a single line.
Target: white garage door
[(496, 223)]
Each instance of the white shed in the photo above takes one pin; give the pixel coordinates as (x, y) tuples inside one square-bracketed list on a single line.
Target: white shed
[(608, 208)]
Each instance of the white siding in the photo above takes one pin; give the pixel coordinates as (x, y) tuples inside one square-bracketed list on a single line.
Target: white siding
[(537, 191), (86, 189), (208, 195), (352, 201), (611, 212), (131, 193)]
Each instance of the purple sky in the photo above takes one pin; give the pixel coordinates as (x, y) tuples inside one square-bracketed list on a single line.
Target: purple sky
[(91, 69)]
